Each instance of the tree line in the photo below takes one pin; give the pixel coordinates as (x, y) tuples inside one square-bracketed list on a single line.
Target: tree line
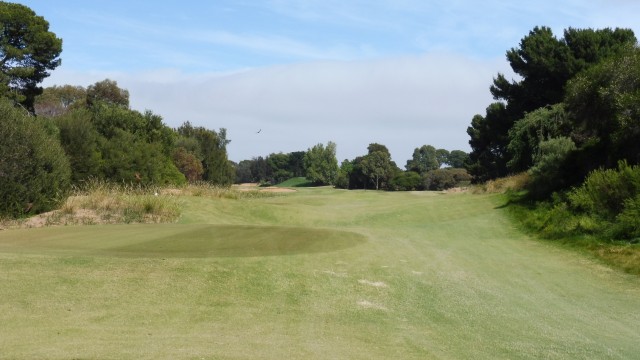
[(573, 109), (572, 123)]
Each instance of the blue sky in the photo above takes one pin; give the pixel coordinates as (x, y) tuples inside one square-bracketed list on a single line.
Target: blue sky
[(402, 73)]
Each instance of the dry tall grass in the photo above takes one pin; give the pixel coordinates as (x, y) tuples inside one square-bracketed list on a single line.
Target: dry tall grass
[(515, 182), (101, 202)]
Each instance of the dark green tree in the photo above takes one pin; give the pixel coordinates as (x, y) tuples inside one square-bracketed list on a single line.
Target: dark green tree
[(28, 51), (35, 175), (489, 141), (279, 165), (407, 181), (537, 126), (604, 107), (545, 64), (296, 163), (80, 141)]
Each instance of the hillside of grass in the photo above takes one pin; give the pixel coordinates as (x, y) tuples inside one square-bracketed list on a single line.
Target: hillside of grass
[(296, 182), (315, 274)]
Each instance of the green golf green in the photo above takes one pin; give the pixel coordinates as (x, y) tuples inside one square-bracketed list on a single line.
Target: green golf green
[(175, 240)]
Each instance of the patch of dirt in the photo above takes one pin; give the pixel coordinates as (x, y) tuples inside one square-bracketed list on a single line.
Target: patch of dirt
[(378, 284), (277, 189), (457, 190), (256, 187), (58, 218), (369, 305)]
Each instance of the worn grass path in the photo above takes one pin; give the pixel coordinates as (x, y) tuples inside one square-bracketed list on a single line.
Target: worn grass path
[(318, 274)]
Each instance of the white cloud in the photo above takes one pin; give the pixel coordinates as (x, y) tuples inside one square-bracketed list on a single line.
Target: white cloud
[(402, 103)]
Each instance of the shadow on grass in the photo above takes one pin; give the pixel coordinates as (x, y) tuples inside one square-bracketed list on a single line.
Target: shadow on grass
[(180, 241)]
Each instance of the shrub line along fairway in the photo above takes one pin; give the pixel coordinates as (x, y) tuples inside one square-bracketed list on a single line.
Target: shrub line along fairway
[(315, 274)]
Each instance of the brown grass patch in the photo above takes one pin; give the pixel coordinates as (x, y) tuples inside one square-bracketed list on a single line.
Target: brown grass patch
[(510, 183)]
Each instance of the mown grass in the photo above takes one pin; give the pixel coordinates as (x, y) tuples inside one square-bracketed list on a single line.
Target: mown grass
[(315, 274), (296, 182)]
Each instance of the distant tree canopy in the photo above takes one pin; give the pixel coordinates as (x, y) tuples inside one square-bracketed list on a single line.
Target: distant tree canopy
[(321, 164), (377, 166), (545, 64), (376, 170), (273, 169), (28, 51), (105, 139), (57, 100)]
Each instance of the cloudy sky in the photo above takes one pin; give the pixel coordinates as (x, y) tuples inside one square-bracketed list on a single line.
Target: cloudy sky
[(402, 73)]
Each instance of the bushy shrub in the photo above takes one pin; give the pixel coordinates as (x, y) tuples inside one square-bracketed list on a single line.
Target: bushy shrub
[(34, 171), (406, 181), (605, 192), (461, 176), (628, 221), (437, 180), (547, 173)]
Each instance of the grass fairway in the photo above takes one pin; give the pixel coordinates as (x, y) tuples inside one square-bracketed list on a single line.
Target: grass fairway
[(316, 274)]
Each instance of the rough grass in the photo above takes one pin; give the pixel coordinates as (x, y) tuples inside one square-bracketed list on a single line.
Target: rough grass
[(578, 232), (514, 183), (401, 275)]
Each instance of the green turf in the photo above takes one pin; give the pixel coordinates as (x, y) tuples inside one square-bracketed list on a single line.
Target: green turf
[(296, 182), (317, 274)]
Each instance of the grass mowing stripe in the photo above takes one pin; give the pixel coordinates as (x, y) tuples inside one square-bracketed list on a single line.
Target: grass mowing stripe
[(439, 276)]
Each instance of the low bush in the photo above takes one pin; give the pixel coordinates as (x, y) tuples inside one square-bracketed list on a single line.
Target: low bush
[(605, 193), (407, 181), (35, 174)]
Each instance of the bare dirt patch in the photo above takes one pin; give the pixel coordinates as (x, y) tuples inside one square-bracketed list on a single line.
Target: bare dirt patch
[(256, 187), (378, 284), (369, 305)]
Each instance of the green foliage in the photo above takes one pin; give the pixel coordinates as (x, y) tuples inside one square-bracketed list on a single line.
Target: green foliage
[(211, 149), (58, 100), (457, 159), (279, 166), (344, 175), (628, 221), (489, 141), (545, 64), (108, 92), (188, 164), (605, 192), (606, 206), (548, 172), (407, 181), (321, 164), (526, 135), (605, 106), (439, 179), (378, 166), (80, 141), (28, 50), (130, 159), (425, 158), (34, 172)]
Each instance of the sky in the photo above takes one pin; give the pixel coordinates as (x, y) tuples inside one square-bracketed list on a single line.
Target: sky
[(285, 75)]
